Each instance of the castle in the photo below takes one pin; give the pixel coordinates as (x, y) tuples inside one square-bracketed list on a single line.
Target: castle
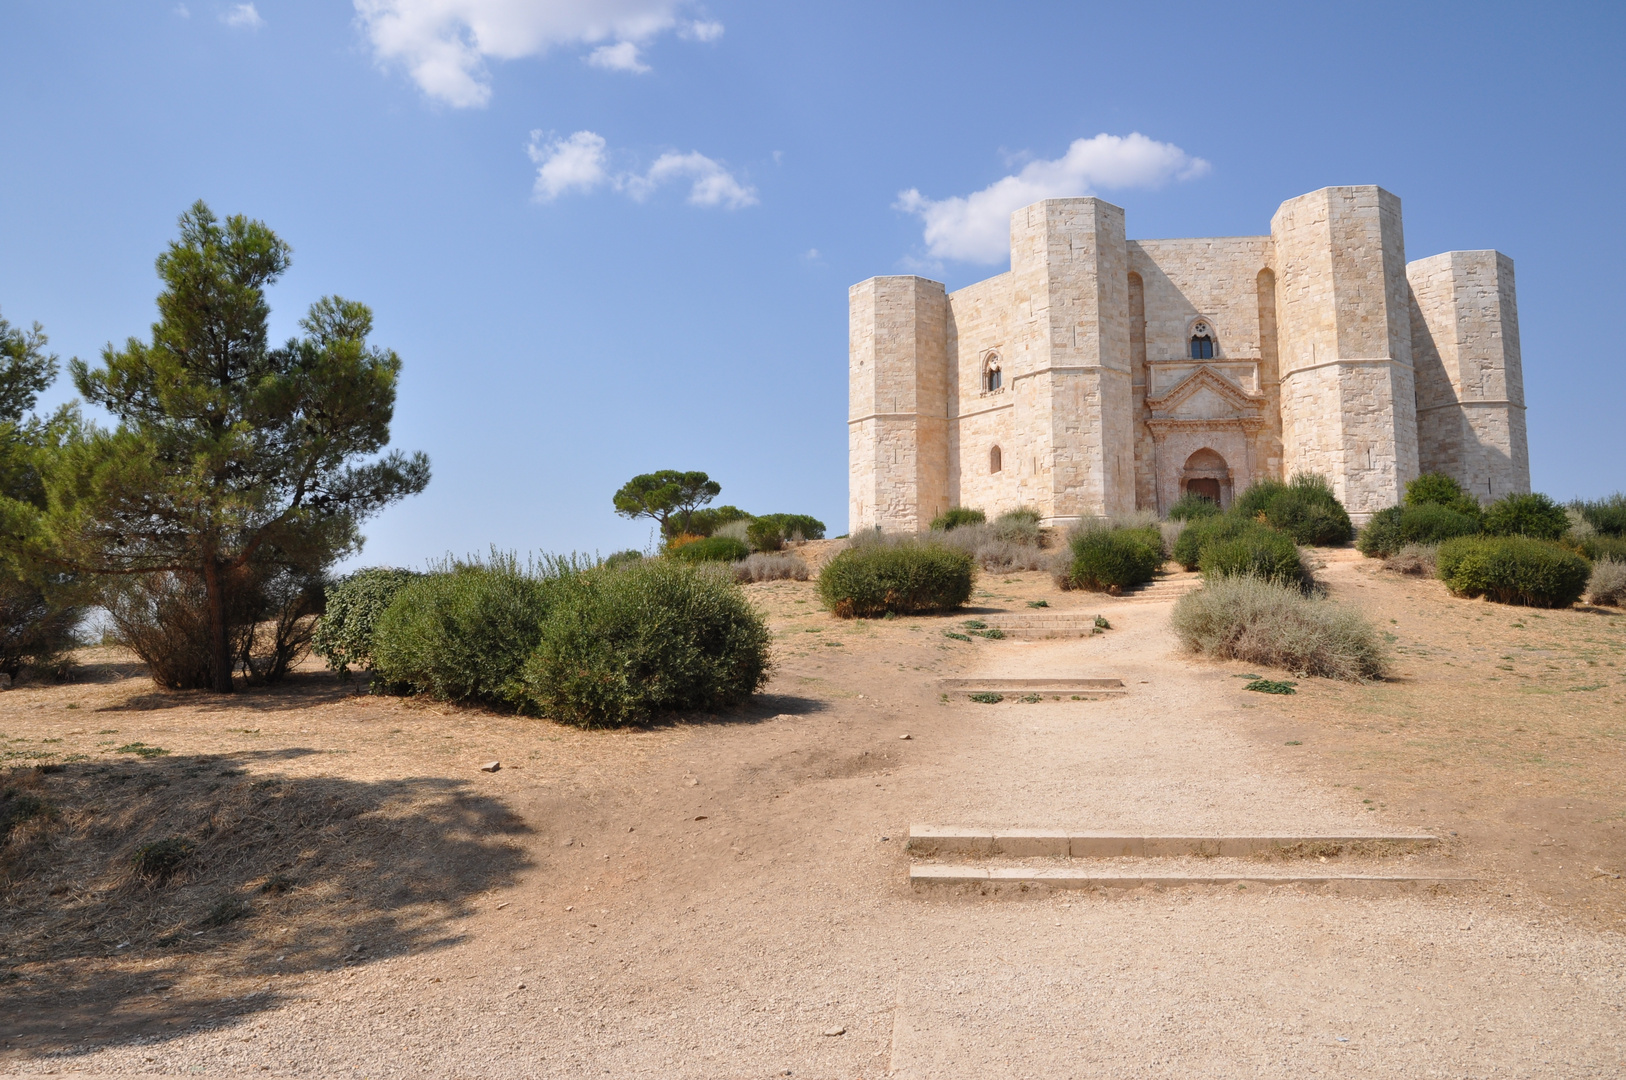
[(1101, 375)]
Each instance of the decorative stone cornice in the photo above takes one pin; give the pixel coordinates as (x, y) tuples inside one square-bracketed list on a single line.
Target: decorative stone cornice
[(1206, 376)]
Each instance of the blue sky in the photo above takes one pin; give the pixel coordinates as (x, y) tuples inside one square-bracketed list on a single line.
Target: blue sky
[(610, 237)]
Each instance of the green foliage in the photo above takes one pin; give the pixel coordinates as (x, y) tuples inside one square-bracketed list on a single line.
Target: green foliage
[(623, 558), (1264, 622), (1306, 509), (1437, 489), (464, 632), (878, 577), (668, 497), (1513, 570), (354, 605), (770, 531), (1191, 506), (1258, 552), (1599, 546), (1534, 516), (1019, 526), (1271, 686), (708, 521), (712, 549), (955, 516), (1422, 523), (1607, 516), (1111, 560), (36, 632), (232, 461), (26, 369), (986, 698), (619, 647), (1200, 533)]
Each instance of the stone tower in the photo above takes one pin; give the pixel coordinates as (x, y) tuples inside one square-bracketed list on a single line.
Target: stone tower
[(897, 402), (1470, 381), (1343, 310)]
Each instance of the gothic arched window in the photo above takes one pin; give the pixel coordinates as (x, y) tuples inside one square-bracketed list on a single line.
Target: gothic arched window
[(996, 460), (992, 378), (1202, 341)]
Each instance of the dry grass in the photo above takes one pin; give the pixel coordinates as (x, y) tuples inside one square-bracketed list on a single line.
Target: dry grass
[(1262, 622), (770, 566), (1418, 559)]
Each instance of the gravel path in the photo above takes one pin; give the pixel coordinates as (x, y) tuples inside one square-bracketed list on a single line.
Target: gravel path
[(739, 909)]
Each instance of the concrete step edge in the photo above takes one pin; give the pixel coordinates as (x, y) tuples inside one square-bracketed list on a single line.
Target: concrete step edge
[(1064, 843), (1066, 878)]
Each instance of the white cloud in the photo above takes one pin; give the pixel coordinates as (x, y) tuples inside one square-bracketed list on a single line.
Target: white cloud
[(573, 164), (445, 44), (622, 56), (977, 227), (242, 16), (181, 11), (701, 30), (578, 163)]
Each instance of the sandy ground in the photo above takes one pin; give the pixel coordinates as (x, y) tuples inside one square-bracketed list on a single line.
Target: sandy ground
[(728, 896)]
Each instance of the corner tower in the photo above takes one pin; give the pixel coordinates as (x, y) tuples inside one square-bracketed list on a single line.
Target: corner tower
[(1470, 376), (1348, 395), (897, 403)]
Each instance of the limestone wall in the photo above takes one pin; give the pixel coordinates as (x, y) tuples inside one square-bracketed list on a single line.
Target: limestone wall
[(1348, 400), (1470, 381), (979, 324), (897, 403), (1070, 336)]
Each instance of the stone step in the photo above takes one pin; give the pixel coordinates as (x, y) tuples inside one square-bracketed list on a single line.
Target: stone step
[(1021, 843), (1022, 877), (1053, 687)]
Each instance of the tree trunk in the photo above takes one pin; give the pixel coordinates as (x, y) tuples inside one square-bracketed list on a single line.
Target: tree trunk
[(219, 641)]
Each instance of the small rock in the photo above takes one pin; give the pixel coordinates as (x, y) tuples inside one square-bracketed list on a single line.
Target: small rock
[(570, 907), (521, 986), (906, 735), (491, 766), (504, 904), (692, 781), (568, 841), (835, 1031)]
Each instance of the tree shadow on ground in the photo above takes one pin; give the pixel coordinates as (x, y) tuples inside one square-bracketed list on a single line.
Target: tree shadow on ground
[(277, 877), (299, 690)]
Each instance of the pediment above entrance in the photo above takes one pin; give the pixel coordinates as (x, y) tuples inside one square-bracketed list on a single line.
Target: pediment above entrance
[(1205, 394)]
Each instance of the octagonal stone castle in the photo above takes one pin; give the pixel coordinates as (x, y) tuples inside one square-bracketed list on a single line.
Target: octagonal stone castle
[(1102, 375)]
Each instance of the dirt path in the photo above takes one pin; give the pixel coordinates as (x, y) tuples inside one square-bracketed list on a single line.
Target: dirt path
[(720, 899)]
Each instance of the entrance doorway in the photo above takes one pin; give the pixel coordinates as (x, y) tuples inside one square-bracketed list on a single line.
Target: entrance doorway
[(1207, 474)]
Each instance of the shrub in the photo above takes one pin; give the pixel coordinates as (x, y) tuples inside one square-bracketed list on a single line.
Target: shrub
[(1111, 560), (1598, 546), (619, 647), (36, 632), (880, 576), (1264, 622), (770, 531), (1200, 533), (708, 521), (955, 516), (1438, 489), (712, 549), (1534, 516), (770, 566), (1607, 516), (1426, 523), (164, 619), (1191, 506), (1257, 552), (344, 636), (162, 859), (1607, 584), (1513, 570), (1421, 559), (623, 558), (464, 632), (1019, 526), (1306, 509), (1002, 545)]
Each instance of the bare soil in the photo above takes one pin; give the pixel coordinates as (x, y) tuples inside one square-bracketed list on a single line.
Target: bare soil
[(716, 896)]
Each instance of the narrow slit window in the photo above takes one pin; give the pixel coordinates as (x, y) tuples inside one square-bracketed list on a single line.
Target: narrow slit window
[(992, 378), (996, 460)]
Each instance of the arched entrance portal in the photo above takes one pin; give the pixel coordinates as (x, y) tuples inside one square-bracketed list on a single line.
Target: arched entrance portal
[(1206, 474)]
